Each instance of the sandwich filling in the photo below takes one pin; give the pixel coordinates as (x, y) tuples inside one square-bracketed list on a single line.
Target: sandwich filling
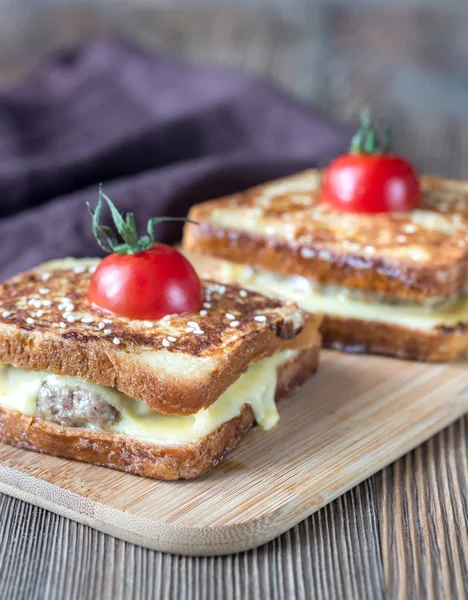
[(74, 402), (349, 303)]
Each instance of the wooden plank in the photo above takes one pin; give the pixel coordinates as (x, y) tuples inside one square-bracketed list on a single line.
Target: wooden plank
[(425, 543), (355, 416)]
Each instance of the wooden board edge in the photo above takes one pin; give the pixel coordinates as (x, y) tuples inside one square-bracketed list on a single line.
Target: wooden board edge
[(172, 539)]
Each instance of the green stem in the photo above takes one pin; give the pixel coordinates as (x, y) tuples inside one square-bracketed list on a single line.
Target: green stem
[(131, 243), (367, 139)]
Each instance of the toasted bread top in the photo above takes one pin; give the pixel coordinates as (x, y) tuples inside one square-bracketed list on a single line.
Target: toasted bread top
[(418, 254), (177, 365)]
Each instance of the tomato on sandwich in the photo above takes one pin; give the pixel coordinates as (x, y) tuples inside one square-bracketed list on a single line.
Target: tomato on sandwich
[(370, 178), (140, 278)]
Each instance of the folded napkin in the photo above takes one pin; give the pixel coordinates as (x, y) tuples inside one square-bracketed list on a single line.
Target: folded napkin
[(159, 134)]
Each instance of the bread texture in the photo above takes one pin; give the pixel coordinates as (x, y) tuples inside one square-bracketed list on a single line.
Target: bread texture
[(441, 344), (177, 365), (186, 461), (283, 226)]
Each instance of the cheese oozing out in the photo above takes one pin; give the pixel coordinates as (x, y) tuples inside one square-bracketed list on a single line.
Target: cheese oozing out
[(338, 301), (19, 391)]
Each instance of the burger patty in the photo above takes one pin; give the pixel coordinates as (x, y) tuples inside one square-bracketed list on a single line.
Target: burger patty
[(75, 407)]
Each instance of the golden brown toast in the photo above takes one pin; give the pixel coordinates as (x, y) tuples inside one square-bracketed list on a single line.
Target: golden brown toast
[(178, 365), (404, 330), (186, 461), (282, 226)]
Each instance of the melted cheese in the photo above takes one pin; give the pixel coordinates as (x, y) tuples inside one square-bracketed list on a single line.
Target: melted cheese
[(313, 299), (19, 391)]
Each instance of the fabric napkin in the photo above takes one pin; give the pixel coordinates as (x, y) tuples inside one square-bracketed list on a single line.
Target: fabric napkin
[(160, 135)]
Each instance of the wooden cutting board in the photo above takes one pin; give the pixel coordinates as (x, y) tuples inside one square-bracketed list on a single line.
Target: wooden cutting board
[(357, 415)]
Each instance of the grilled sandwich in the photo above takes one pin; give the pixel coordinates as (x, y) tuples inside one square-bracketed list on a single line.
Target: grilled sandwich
[(166, 399), (392, 283)]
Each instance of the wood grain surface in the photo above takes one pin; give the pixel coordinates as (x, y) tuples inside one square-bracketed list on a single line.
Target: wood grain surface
[(400, 534)]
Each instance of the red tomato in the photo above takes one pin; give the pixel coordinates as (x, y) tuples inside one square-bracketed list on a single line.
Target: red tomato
[(371, 183), (147, 285)]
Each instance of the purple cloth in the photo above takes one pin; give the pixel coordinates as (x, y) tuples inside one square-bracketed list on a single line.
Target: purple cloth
[(159, 134)]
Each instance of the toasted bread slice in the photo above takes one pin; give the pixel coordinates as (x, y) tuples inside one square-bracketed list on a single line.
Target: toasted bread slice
[(182, 461), (178, 365), (357, 321), (440, 344), (282, 226)]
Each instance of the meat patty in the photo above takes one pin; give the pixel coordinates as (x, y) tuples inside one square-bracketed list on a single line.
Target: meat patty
[(75, 407)]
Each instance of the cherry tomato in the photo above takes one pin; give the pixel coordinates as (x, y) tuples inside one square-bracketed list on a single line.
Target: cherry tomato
[(371, 183), (147, 285), (370, 179)]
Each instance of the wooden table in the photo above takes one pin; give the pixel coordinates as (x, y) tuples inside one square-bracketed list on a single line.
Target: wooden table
[(402, 533)]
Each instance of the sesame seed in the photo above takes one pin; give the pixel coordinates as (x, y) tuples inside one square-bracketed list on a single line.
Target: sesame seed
[(71, 319), (45, 276), (92, 269), (107, 331), (171, 338), (230, 316), (307, 253), (206, 305), (260, 318), (166, 317), (79, 269), (409, 228), (66, 300), (47, 303), (37, 304), (116, 341), (107, 320), (243, 294), (39, 313), (147, 323), (44, 290), (101, 325), (192, 324), (6, 314), (66, 307), (203, 313), (66, 315), (401, 239), (189, 330), (165, 343), (234, 324), (62, 325), (198, 331), (32, 301), (87, 319), (30, 321)]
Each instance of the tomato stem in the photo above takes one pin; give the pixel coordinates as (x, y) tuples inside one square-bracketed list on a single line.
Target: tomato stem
[(367, 139), (131, 243)]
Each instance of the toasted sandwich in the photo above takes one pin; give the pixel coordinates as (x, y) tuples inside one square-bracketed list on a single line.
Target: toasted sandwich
[(393, 283), (167, 398)]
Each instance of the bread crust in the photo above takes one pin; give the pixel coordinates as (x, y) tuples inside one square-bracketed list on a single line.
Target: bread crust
[(143, 458), (217, 357), (94, 362), (296, 233), (403, 279), (440, 344)]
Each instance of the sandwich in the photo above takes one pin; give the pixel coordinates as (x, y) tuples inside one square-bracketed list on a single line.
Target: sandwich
[(379, 250), (133, 363)]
